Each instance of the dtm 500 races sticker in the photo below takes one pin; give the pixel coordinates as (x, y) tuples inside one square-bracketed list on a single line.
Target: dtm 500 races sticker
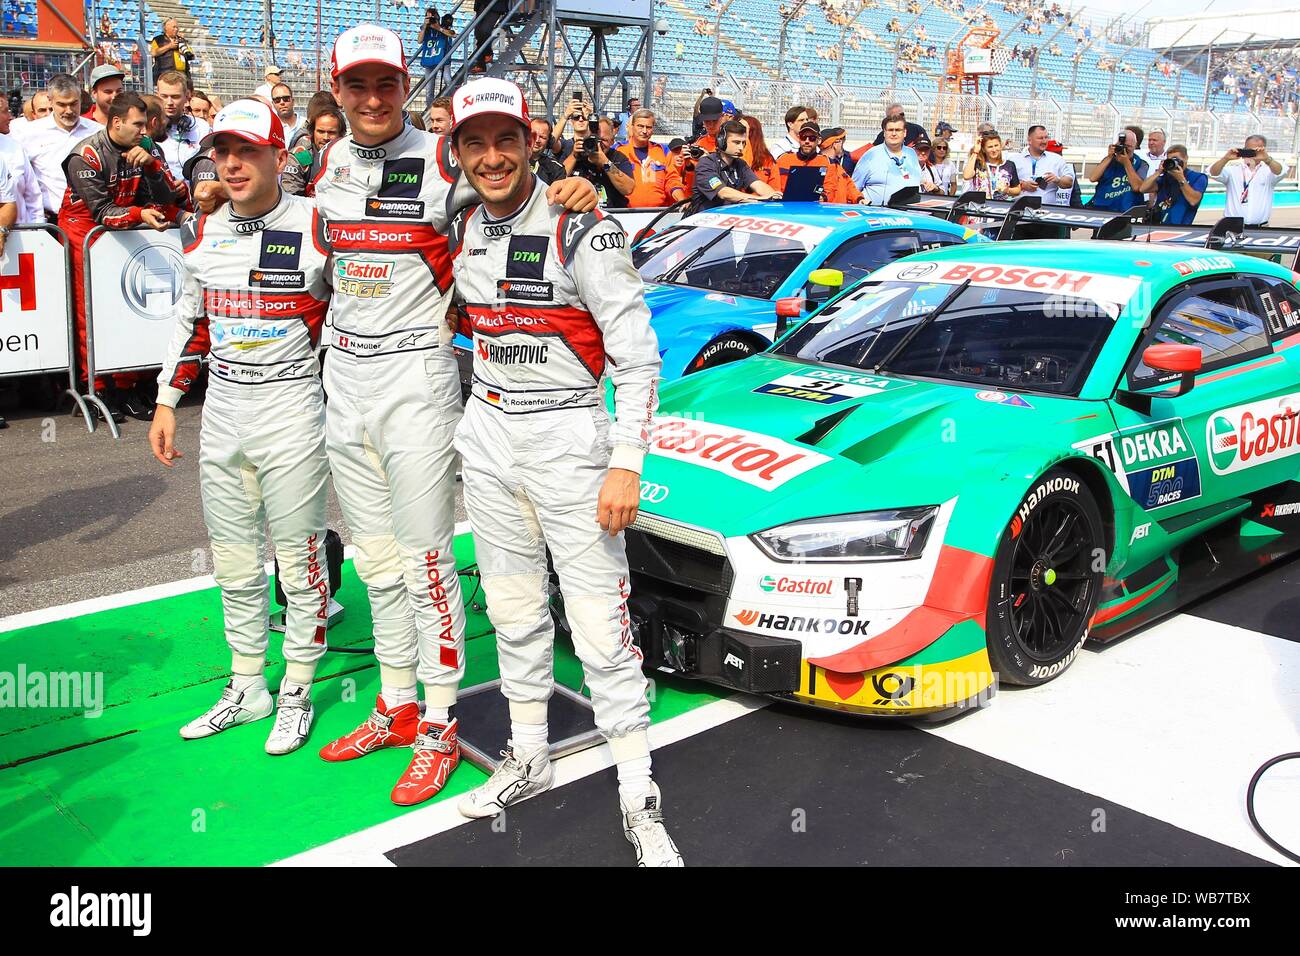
[(829, 387), (1254, 434), (759, 460), (1155, 462)]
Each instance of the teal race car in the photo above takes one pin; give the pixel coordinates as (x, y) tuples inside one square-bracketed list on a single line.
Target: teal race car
[(966, 465)]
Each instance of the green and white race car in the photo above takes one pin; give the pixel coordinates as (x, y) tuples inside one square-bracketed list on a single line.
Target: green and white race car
[(966, 465)]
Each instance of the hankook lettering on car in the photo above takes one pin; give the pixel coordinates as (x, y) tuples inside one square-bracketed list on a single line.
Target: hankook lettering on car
[(1036, 496)]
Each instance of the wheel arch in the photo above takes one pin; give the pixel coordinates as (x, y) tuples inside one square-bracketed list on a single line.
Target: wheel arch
[(1090, 473)]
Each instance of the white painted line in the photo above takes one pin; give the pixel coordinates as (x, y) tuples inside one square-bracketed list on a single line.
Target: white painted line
[(367, 847), (1172, 723), (155, 592)]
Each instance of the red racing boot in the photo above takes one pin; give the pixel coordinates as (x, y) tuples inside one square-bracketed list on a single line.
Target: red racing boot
[(436, 755), (383, 728)]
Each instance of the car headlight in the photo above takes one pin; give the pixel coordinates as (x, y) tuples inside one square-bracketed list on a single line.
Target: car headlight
[(870, 536)]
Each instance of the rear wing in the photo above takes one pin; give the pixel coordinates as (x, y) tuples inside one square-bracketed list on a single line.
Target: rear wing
[(1231, 234), (1025, 210)]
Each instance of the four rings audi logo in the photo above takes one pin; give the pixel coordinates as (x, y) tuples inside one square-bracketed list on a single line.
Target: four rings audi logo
[(608, 240), (496, 232), (363, 152), (652, 493), (248, 228)]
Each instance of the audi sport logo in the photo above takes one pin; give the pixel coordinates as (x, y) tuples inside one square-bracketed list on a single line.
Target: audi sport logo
[(365, 152), (918, 271), (496, 232), (652, 493), (608, 240), (250, 227)]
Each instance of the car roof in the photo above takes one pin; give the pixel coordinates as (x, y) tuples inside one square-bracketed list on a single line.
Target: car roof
[(1150, 261), (838, 217)]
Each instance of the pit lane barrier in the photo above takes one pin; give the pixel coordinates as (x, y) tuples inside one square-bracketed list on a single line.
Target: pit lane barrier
[(1231, 234), (137, 286), (41, 311)]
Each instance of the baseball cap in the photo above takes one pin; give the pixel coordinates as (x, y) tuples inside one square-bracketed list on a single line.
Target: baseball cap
[(1052, 146), (251, 120), (105, 71), (271, 70), (367, 43), (808, 126), (832, 135), (711, 108), (945, 127), (729, 108), (488, 96), (676, 143)]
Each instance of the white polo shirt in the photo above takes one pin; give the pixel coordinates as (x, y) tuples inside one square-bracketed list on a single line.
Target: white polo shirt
[(47, 145), (1249, 191), (1031, 167), (28, 189)]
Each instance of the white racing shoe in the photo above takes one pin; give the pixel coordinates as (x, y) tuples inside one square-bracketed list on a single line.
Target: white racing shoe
[(516, 778), (645, 830), (234, 708), (293, 719)]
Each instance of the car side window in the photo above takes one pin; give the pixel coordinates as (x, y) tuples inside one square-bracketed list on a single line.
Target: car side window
[(1221, 320), (864, 254), (1281, 303)]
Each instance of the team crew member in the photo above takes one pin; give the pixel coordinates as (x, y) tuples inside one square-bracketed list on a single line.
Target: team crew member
[(255, 275), (835, 185), (386, 193), (113, 181), (884, 171), (105, 85), (711, 118), (657, 182), (544, 468), (724, 177), (182, 136)]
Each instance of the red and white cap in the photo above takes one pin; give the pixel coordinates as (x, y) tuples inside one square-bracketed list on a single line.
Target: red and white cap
[(251, 120), (488, 95), (367, 43)]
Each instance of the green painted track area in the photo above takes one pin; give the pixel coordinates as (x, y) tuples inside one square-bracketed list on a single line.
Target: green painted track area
[(123, 789)]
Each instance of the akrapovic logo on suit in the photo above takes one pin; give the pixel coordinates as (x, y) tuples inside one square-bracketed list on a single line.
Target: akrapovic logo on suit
[(519, 354)]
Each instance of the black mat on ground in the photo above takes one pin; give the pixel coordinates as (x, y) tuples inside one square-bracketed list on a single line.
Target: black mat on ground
[(1268, 602), (785, 786), (485, 715)]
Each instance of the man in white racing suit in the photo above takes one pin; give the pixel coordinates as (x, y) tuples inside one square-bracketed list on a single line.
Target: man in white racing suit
[(254, 297), (554, 304), (387, 191)]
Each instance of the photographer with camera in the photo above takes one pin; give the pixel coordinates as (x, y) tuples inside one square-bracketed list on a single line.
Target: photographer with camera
[(1177, 189), (591, 156), (723, 176), (170, 50), (1119, 174), (1249, 175), (435, 38)]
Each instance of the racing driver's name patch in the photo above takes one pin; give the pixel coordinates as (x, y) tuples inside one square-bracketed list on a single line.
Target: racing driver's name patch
[(759, 460)]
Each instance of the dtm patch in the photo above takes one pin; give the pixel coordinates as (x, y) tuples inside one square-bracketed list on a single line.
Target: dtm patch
[(829, 387), (524, 290), (402, 179), (526, 258), (1155, 462), (280, 250), (260, 279)]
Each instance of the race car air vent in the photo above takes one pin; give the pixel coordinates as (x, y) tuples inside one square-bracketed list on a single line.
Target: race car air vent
[(681, 534), (824, 426)]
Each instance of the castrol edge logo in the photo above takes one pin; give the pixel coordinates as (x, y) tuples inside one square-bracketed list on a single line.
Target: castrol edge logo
[(759, 460)]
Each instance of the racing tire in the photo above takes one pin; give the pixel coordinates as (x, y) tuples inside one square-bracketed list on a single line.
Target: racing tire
[(1047, 577), (727, 347)]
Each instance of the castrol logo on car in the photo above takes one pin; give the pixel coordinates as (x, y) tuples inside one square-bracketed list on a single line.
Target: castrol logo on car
[(759, 460)]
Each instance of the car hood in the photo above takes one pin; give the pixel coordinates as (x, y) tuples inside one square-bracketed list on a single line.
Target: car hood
[(754, 444)]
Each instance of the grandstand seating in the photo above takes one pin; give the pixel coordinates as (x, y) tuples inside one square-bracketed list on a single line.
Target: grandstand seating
[(750, 40)]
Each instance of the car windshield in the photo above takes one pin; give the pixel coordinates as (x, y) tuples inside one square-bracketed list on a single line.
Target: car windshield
[(739, 255), (1024, 339)]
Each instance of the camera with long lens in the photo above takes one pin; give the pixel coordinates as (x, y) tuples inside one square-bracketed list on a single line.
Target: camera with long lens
[(1121, 144), (1172, 163), (589, 145)]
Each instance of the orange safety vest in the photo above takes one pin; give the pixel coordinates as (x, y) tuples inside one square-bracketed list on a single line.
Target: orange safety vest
[(656, 179)]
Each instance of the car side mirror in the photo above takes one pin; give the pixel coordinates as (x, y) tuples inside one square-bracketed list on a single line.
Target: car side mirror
[(790, 307), (831, 278), (1185, 360)]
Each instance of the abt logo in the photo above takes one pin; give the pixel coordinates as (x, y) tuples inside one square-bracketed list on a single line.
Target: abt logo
[(23, 282)]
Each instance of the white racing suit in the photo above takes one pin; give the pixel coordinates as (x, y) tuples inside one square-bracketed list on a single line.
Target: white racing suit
[(395, 396), (254, 297), (554, 304)]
